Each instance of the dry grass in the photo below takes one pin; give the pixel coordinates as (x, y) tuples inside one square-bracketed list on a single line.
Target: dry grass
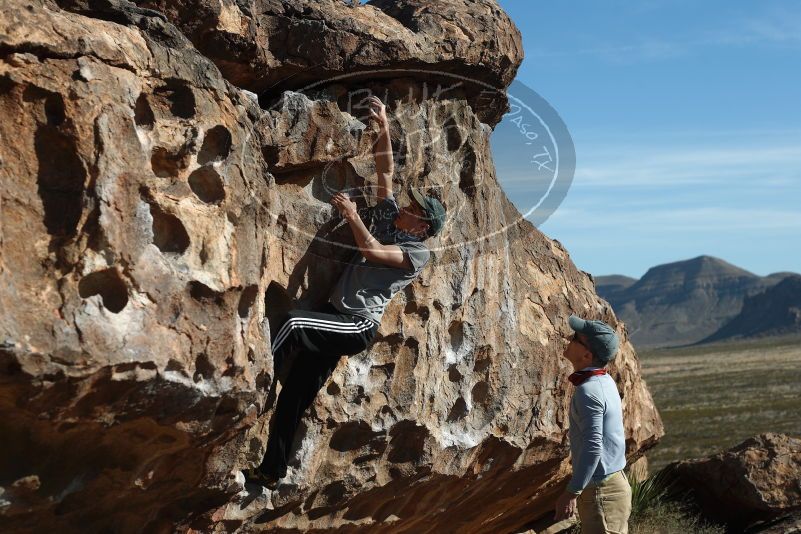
[(664, 518), (669, 518), (712, 397)]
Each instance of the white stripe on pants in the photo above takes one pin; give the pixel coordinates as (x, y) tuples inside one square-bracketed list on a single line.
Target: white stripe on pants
[(318, 324)]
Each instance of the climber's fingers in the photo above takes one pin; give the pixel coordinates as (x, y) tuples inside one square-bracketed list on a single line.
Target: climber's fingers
[(340, 201), (376, 104)]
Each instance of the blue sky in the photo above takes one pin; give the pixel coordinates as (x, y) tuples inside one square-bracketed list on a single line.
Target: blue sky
[(686, 120)]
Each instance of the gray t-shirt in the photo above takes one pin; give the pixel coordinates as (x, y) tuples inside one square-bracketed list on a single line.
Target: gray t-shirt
[(365, 288)]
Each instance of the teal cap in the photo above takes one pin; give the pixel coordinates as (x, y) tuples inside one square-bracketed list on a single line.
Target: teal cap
[(433, 209), (602, 338)]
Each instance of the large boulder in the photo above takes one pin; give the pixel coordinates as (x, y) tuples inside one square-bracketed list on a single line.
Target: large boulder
[(757, 481), (157, 222), (268, 46)]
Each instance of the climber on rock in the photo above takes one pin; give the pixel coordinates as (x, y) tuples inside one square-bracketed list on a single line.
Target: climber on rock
[(386, 260), (599, 487)]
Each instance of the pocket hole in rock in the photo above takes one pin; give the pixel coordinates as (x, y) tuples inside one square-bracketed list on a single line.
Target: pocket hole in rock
[(175, 365), (109, 285), (175, 97), (204, 369), (247, 300), (169, 234), (467, 176), (143, 115), (480, 393), (201, 292), (456, 331), (355, 435), (453, 374), (453, 135), (54, 109), (207, 185), (216, 145), (61, 175), (482, 364), (458, 411), (407, 442)]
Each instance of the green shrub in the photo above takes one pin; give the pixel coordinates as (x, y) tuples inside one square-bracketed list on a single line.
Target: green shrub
[(648, 493)]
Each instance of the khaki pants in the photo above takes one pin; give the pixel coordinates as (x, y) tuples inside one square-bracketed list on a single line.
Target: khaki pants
[(604, 507)]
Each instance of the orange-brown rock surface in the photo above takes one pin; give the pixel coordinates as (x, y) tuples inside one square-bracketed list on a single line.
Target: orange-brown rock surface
[(156, 220), (277, 44)]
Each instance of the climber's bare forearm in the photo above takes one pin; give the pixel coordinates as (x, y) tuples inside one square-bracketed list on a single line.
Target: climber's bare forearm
[(382, 148), (369, 246), (384, 166), (373, 250)]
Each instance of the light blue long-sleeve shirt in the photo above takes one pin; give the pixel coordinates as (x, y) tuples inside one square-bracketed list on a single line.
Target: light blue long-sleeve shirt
[(597, 439)]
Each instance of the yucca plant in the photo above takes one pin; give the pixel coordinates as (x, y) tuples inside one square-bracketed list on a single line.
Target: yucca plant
[(648, 493)]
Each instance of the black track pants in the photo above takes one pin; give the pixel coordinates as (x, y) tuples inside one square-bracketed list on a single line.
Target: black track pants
[(321, 338)]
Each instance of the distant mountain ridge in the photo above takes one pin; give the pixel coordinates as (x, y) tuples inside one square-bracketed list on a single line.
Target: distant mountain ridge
[(775, 312), (682, 302), (612, 283)]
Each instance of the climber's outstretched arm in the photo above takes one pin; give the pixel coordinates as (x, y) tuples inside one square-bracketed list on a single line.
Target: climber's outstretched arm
[(369, 246), (382, 149)]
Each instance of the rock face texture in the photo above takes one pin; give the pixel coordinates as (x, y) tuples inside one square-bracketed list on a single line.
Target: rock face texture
[(157, 220), (273, 44), (755, 482)]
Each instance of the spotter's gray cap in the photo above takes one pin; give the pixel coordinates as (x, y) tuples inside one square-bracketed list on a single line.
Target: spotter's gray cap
[(602, 338)]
